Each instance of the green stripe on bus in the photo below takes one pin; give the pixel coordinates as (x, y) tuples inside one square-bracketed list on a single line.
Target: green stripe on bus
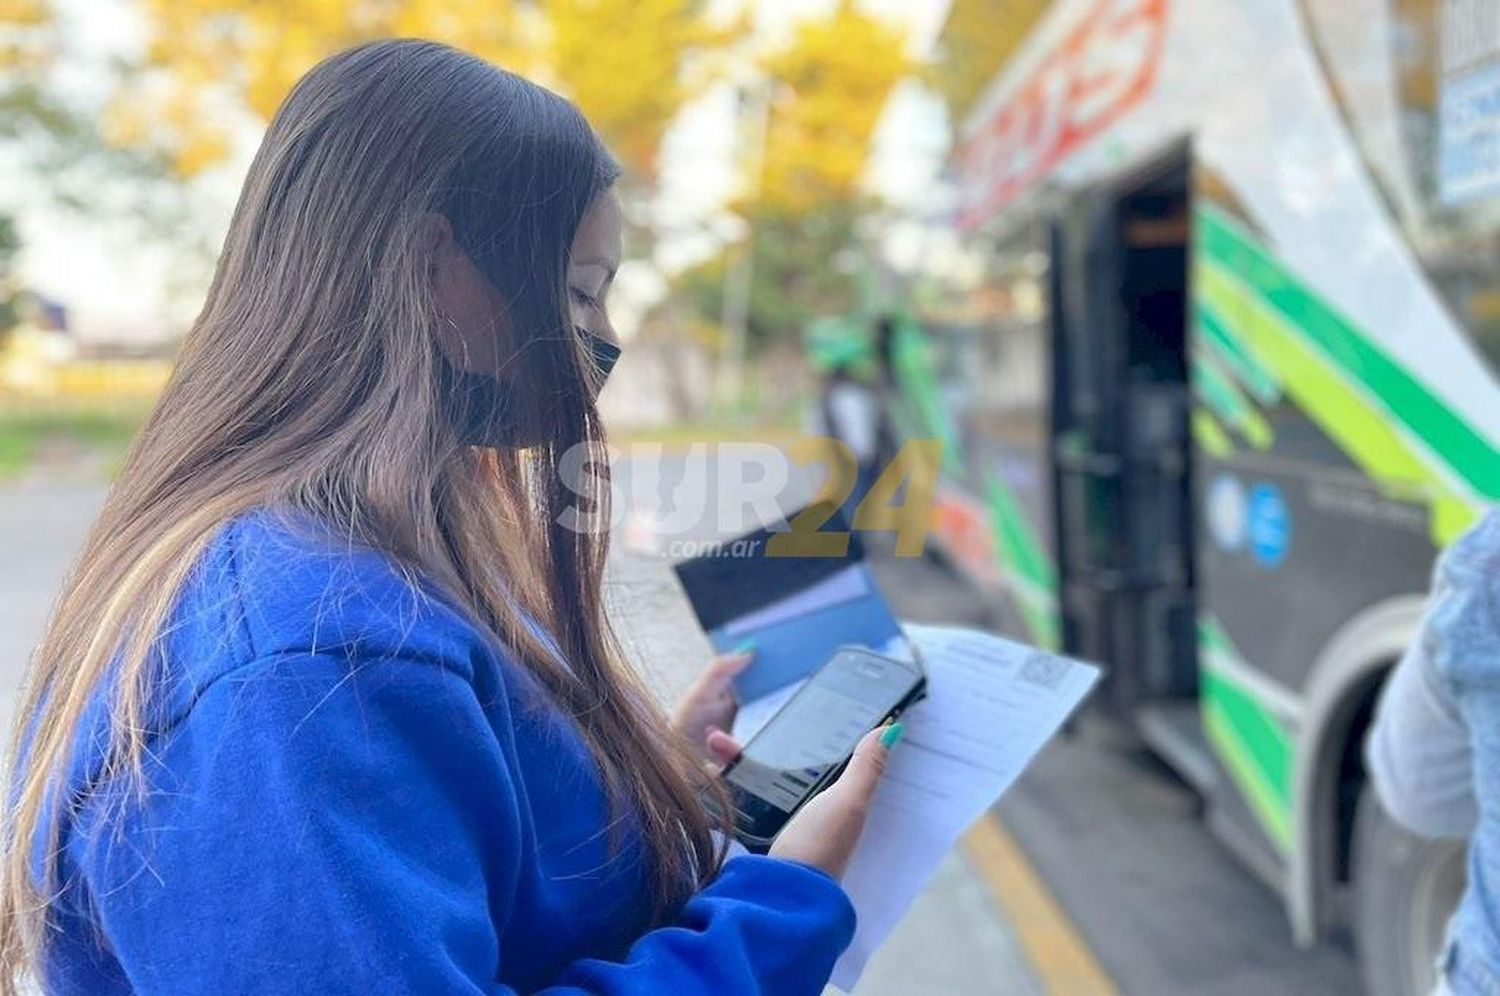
[(1257, 378), (1346, 413), (1342, 410), (1216, 390), (1210, 435), (1254, 745), (1461, 447), (1247, 774), (1034, 576), (919, 384), (1016, 535)]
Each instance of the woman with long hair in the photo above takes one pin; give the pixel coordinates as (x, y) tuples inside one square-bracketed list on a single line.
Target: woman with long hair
[(329, 702)]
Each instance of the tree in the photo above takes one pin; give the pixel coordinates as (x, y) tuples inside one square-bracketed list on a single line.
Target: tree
[(210, 63), (10, 289), (625, 62), (59, 141), (829, 86), (209, 67), (630, 65), (802, 268), (23, 43)]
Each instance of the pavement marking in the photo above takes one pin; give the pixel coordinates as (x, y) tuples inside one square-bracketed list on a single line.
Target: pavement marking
[(1063, 962)]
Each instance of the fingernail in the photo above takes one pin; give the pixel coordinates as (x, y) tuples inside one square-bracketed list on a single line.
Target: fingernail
[(892, 735), (747, 647)]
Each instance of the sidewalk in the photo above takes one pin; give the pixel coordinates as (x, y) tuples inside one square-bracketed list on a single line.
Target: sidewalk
[(955, 939)]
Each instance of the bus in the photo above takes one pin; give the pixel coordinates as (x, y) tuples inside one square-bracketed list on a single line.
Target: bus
[(1219, 386)]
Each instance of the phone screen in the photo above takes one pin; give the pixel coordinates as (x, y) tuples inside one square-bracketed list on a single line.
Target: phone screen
[(815, 733)]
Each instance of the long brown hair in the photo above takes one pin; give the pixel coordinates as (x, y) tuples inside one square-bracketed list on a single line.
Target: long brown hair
[(312, 380)]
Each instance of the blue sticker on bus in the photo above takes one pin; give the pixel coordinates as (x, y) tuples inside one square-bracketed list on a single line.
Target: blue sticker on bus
[(1270, 525)]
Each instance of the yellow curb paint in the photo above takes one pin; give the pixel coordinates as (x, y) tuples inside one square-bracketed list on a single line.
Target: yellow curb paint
[(1051, 942)]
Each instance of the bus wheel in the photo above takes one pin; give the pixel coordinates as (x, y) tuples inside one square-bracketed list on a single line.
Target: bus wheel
[(1405, 888)]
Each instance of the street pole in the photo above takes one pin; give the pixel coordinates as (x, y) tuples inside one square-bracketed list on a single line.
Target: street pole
[(754, 102)]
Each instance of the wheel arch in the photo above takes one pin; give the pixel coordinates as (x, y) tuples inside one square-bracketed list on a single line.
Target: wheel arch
[(1343, 681)]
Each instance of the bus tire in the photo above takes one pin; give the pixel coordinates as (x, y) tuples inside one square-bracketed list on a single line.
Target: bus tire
[(1405, 888)]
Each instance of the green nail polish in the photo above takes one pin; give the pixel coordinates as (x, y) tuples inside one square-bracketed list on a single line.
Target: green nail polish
[(892, 735), (747, 647)]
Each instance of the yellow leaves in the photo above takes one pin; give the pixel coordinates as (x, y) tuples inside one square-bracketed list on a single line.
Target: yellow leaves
[(280, 49), (208, 58), (979, 37), (500, 32), (23, 25), (630, 65), (204, 148), (197, 142), (622, 62), (832, 83), (23, 14)]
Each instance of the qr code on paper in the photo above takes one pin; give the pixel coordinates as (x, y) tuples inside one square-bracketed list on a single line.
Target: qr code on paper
[(1044, 670)]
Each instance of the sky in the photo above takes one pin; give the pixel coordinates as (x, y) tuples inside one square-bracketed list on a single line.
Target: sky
[(121, 286)]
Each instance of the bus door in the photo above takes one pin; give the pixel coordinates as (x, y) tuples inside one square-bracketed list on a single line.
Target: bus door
[(1120, 443)]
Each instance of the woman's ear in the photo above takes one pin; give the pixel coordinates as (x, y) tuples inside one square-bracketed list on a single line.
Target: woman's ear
[(435, 236), (474, 332)]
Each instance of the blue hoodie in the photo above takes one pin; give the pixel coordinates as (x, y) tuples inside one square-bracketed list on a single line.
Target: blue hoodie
[(351, 790)]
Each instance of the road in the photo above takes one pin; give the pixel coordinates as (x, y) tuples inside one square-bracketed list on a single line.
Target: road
[(1116, 840), (43, 527)]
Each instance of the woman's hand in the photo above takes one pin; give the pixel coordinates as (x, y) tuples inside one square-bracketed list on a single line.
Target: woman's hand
[(709, 706), (825, 831)]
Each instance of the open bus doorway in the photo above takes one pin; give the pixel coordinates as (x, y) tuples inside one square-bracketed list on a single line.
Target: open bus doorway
[(1121, 445)]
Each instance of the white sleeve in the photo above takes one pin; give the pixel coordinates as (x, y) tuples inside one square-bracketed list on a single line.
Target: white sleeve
[(853, 408), (1418, 753)]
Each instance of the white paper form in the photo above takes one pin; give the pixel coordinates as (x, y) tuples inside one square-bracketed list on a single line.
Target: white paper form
[(991, 705)]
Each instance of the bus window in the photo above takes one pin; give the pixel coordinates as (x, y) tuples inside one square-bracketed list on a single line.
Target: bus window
[(1390, 64)]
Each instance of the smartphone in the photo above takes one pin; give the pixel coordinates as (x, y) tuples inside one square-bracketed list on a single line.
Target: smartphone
[(806, 744)]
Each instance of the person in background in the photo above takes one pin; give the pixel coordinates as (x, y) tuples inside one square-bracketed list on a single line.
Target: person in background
[(1433, 754), (850, 409), (330, 703), (888, 390)]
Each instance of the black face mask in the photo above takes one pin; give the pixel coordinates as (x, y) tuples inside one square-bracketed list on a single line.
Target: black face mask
[(484, 409)]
